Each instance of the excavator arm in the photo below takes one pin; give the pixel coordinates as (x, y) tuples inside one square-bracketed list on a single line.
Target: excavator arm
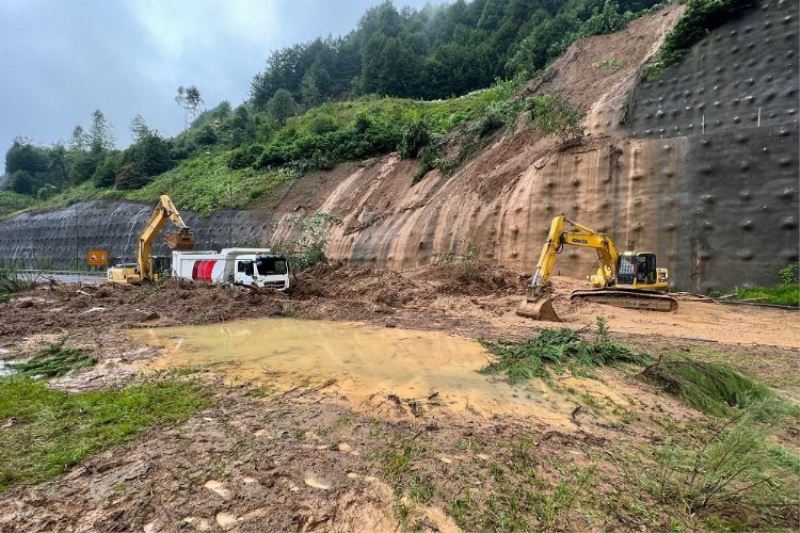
[(580, 236), (182, 240)]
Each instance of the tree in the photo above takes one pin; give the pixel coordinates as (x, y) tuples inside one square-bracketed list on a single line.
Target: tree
[(282, 105), (82, 165), (58, 164), (242, 126), (309, 90), (105, 173), (150, 155), (190, 100), (101, 136), (139, 128), (79, 140), (26, 157)]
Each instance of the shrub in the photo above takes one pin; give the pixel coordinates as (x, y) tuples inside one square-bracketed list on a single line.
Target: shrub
[(245, 156), (733, 465), (700, 17), (428, 158), (206, 135), (310, 237), (106, 171), (415, 137), (553, 114), (129, 177), (497, 115)]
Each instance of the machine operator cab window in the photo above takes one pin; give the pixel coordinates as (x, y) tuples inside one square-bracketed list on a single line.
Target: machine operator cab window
[(636, 268)]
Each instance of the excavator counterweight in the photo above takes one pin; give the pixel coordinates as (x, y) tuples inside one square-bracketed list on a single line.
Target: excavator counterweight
[(629, 279)]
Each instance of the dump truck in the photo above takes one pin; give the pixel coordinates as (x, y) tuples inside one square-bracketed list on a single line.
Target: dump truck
[(251, 267)]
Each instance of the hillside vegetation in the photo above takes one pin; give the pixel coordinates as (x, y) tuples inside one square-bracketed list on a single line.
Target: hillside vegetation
[(374, 91)]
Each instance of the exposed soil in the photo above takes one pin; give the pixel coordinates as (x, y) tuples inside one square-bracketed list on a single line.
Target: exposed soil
[(275, 454)]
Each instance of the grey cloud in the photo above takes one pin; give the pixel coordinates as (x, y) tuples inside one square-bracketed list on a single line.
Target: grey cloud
[(61, 59)]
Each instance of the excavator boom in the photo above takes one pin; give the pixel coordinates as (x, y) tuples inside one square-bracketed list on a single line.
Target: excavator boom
[(183, 239)]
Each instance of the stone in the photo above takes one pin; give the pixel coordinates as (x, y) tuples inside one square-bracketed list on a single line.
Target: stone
[(219, 489), (226, 521), (313, 480)]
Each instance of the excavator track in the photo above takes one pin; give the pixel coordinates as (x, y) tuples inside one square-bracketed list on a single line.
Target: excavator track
[(629, 299)]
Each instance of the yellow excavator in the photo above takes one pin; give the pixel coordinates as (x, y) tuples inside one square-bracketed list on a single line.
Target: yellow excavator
[(629, 279), (145, 268)]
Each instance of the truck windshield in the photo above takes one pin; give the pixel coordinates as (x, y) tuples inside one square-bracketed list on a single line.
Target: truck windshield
[(271, 266)]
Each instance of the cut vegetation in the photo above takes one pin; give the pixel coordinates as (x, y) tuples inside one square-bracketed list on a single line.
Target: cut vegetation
[(553, 349)]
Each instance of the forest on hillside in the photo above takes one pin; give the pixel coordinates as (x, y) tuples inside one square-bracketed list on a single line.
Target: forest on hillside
[(400, 75)]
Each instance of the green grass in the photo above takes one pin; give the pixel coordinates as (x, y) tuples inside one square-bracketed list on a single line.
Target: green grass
[(206, 183), (48, 431), (609, 65), (11, 201), (784, 294), (440, 115), (700, 18), (553, 348), (55, 361)]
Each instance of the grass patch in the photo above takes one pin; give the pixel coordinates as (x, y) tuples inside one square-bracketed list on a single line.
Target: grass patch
[(533, 358), (48, 431), (55, 361), (11, 201), (730, 473), (713, 388), (786, 293), (783, 294), (206, 183), (609, 65), (700, 17)]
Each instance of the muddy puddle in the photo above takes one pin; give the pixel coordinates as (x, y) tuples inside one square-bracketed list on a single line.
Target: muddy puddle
[(358, 362)]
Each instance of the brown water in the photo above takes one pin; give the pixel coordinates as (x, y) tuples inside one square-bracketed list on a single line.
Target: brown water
[(365, 361)]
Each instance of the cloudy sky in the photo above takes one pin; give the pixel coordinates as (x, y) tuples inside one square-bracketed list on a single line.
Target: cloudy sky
[(62, 59)]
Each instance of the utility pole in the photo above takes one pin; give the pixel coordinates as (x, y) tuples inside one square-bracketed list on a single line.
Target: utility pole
[(77, 243), (230, 213)]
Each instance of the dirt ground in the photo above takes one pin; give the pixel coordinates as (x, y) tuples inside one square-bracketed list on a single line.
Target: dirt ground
[(288, 454)]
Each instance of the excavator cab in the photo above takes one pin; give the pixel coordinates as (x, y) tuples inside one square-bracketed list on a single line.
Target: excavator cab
[(639, 270)]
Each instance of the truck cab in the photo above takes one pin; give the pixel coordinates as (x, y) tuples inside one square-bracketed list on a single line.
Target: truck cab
[(262, 270)]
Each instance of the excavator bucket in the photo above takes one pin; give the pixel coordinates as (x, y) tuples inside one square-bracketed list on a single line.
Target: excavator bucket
[(538, 309), (181, 240)]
